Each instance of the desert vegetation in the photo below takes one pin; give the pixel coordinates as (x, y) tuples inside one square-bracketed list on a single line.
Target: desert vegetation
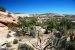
[(32, 33), (24, 47), (61, 33)]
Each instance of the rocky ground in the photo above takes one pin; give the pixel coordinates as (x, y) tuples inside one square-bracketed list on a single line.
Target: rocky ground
[(23, 39)]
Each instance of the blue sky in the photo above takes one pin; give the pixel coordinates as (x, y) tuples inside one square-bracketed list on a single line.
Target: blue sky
[(39, 6)]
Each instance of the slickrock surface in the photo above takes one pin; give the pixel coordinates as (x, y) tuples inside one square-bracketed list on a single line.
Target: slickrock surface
[(5, 22), (7, 19)]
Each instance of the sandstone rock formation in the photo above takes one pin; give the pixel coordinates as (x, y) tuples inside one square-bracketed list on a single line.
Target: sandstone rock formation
[(7, 19)]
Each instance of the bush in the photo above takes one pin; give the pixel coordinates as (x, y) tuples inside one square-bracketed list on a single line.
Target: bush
[(15, 41), (33, 34), (21, 32), (24, 47), (8, 45), (71, 45), (12, 49), (24, 25)]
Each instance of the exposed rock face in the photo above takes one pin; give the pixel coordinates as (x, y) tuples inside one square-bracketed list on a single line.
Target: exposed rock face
[(7, 19)]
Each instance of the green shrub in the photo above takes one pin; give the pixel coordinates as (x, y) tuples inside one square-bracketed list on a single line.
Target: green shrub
[(15, 41), (8, 45), (71, 45), (11, 49), (24, 47), (33, 34)]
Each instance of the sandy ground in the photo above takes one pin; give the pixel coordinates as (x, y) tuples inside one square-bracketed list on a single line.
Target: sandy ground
[(3, 34)]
